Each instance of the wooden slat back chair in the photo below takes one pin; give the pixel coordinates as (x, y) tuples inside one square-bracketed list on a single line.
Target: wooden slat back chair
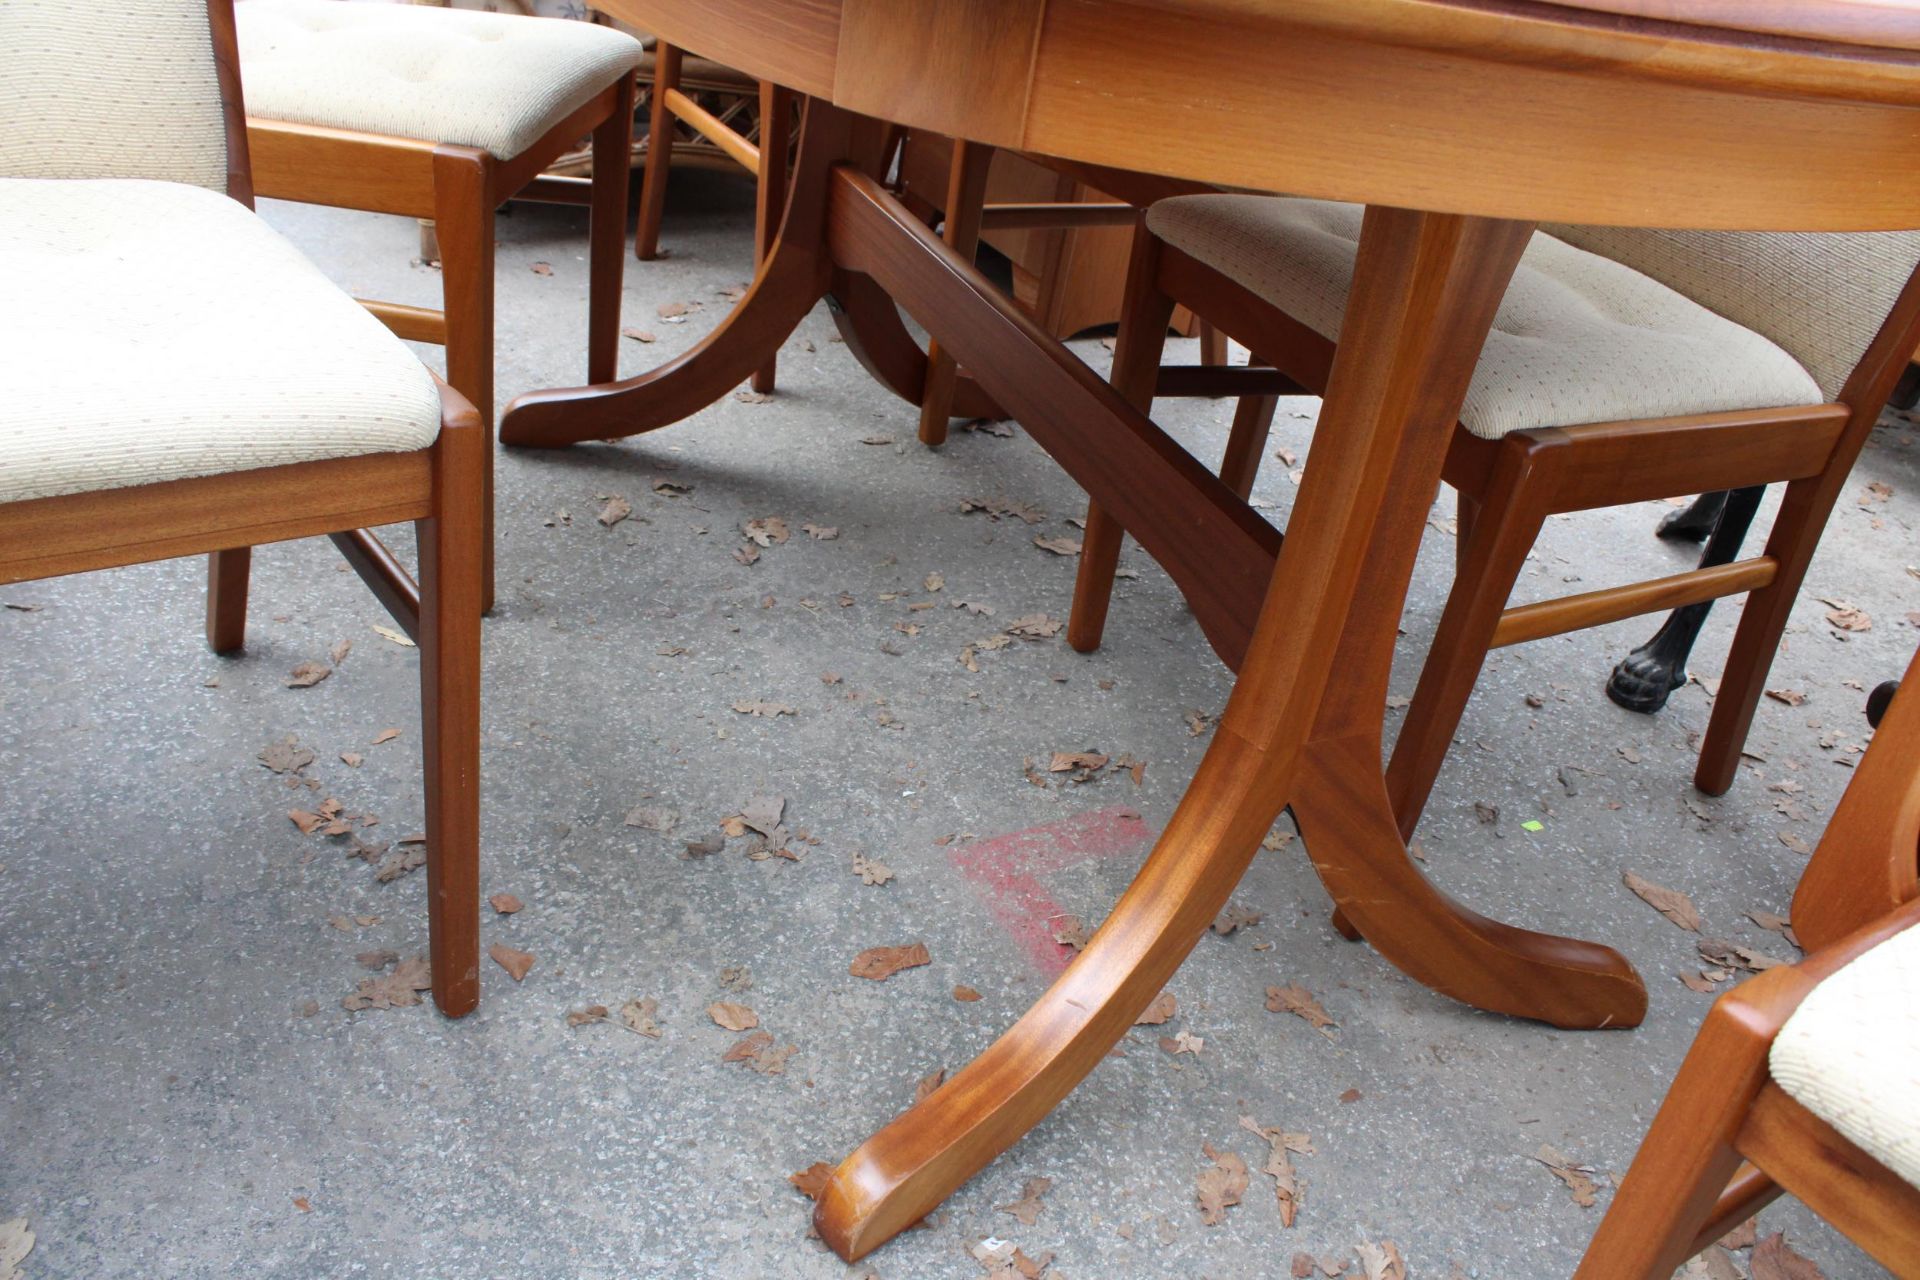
[(445, 114), (178, 380), (1804, 1079), (1774, 372)]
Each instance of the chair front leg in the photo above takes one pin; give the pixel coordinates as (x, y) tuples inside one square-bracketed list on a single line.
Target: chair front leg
[(452, 543), (1144, 314), (463, 212), (227, 573)]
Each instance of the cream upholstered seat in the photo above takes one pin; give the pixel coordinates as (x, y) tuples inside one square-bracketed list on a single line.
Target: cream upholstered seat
[(1578, 338), (229, 351), (493, 81), (1851, 1053)]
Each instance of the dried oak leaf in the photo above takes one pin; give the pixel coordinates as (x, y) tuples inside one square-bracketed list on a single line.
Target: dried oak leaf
[(812, 1180), (652, 818), (1182, 1042), (1073, 932), (616, 509), (1067, 761), (881, 963), (1059, 546), (1296, 999), (1774, 1260), (1792, 697), (591, 1013), (1235, 917), (1715, 1264), (505, 903), (385, 735), (758, 1052), (639, 1016), (1671, 903), (1220, 1185), (965, 994), (1381, 1261), (761, 707), (1279, 1166), (16, 1242), (925, 1086), (1163, 1009), (638, 335), (821, 532), (1027, 1207), (733, 1017), (308, 674), (516, 963), (1579, 1184), (391, 990), (286, 756), (871, 870), (767, 531)]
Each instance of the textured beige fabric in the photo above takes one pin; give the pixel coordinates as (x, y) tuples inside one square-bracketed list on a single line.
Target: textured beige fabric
[(1851, 1053), (494, 81), (154, 331), (1578, 338), (110, 89), (1821, 297)]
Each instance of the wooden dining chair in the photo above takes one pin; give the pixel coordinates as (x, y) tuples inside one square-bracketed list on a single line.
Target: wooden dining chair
[(1804, 1079), (178, 380), (445, 114), (1623, 366)]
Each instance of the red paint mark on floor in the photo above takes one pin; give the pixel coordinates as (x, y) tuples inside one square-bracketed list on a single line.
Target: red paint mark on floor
[(1006, 872)]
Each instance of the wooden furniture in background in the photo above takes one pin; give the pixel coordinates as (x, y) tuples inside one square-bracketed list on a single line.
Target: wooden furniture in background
[(324, 108), (1798, 1067), (336, 429), (1503, 122), (1190, 249)]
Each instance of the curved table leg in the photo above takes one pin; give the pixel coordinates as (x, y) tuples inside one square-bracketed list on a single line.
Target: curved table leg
[(1425, 290), (870, 325), (793, 277)]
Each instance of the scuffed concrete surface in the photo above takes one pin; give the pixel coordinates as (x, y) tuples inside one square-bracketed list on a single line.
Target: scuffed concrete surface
[(166, 1110)]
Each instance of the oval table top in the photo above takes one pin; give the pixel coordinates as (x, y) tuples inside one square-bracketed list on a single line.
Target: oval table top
[(1759, 114)]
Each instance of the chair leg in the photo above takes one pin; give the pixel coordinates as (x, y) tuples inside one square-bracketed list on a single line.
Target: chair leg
[(1693, 522), (770, 193), (463, 215), (607, 236), (1466, 510), (1796, 533), (1252, 421), (1213, 346), (451, 543), (966, 198), (1144, 313), (227, 599), (1645, 678), (1504, 531), (653, 175)]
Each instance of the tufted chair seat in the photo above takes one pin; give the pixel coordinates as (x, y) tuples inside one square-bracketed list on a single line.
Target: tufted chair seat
[(230, 350), (493, 81), (1578, 338)]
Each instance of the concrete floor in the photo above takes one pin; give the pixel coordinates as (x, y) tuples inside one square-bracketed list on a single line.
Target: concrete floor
[(184, 1095)]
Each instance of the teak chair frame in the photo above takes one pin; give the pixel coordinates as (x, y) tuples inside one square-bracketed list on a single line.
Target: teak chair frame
[(438, 488), (1508, 488), (1728, 1139), (459, 188)]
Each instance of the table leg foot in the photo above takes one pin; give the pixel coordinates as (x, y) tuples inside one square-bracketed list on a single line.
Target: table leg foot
[(902, 1172), (1350, 833)]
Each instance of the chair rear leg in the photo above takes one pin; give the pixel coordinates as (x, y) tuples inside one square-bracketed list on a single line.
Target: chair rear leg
[(653, 175), (1504, 530), (966, 200), (1144, 313), (463, 202), (1252, 422), (770, 193), (227, 573), (607, 236), (451, 544), (1645, 678)]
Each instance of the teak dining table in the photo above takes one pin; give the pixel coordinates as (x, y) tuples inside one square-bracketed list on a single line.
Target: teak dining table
[(1460, 124)]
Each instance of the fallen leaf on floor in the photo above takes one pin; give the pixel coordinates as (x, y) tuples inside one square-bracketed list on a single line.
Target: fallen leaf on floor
[(1774, 1260), (400, 638), (16, 1242), (352, 759), (758, 1052), (1775, 924), (1279, 1166), (1182, 1042), (1381, 1261), (767, 531), (516, 963), (881, 963), (998, 509), (338, 654), (871, 870), (1198, 722), (736, 977), (821, 532), (1276, 839), (652, 818), (704, 846), (734, 1017), (1743, 1236), (1721, 952), (391, 990), (1072, 931), (1697, 981), (1027, 1207), (1234, 917), (965, 994), (640, 1016), (307, 821), (746, 553), (934, 582), (1059, 546), (1163, 1008), (285, 756), (1034, 626), (616, 509), (1715, 1264), (672, 311), (542, 269), (812, 1180), (1220, 1185), (638, 335), (672, 489), (924, 1087), (1296, 999), (1795, 843), (385, 735), (1128, 764), (377, 960), (748, 396), (1792, 697), (308, 674), (1671, 903), (1847, 616), (590, 1014), (1579, 1184)]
